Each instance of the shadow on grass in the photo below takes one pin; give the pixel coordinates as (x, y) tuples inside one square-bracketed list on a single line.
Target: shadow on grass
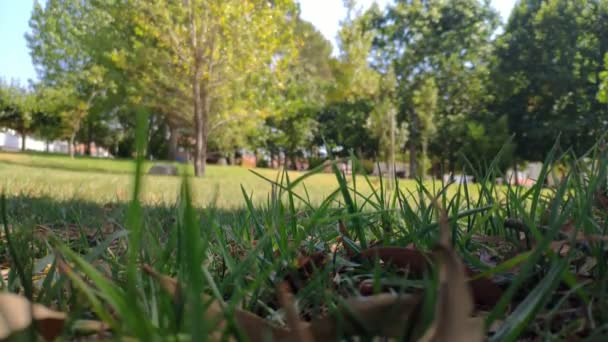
[(28, 212)]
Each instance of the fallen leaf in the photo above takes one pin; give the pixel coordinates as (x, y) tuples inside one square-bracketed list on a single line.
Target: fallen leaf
[(300, 331), (353, 317), (485, 291), (253, 326), (454, 306), (560, 247), (414, 260), (306, 265), (384, 315), (17, 313)]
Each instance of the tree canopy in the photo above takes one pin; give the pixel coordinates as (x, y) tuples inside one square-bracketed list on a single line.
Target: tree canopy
[(426, 81)]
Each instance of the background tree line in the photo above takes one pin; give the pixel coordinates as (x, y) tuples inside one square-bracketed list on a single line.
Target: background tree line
[(439, 78)]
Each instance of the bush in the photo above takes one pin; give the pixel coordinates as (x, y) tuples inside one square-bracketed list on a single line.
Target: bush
[(262, 163), (314, 162)]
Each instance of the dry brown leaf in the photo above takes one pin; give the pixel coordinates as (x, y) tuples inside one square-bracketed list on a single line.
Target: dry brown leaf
[(16, 313), (485, 291), (255, 327), (414, 260), (370, 312), (300, 331), (454, 307), (560, 247), (380, 315)]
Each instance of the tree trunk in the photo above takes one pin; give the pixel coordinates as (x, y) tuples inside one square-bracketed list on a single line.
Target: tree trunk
[(172, 152), (232, 158), (23, 139), (413, 160), (201, 107), (88, 146), (71, 144), (293, 159), (452, 167), (200, 92), (412, 146), (424, 155)]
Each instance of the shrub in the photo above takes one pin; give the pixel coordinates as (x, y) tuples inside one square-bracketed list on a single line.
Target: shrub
[(315, 161)]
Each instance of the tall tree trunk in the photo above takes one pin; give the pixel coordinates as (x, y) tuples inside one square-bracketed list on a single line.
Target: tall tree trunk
[(232, 158), (172, 152), (200, 92), (413, 160), (425, 145), (89, 145), (412, 146), (452, 167), (23, 139), (294, 161), (201, 108), (71, 144)]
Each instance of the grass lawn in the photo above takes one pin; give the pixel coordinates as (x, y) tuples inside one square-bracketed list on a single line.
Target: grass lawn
[(105, 180), (482, 261)]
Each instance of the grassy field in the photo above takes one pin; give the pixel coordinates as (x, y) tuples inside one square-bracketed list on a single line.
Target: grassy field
[(105, 180), (479, 262)]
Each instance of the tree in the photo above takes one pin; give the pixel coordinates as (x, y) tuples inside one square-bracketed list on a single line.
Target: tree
[(61, 41), (18, 107), (211, 44), (549, 61), (343, 122), (449, 42), (302, 94), (424, 102), (383, 121)]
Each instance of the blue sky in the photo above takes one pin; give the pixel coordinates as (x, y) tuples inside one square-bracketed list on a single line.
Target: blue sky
[(15, 61)]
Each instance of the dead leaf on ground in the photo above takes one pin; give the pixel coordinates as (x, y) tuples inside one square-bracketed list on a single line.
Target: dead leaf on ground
[(306, 265), (414, 260), (560, 247), (353, 317), (255, 327), (453, 321), (385, 314), (300, 331), (17, 313), (485, 292)]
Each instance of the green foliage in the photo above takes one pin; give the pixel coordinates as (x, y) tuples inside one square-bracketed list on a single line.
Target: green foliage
[(548, 62), (344, 121), (448, 42), (302, 93), (424, 101), (343, 124), (63, 42), (18, 109), (602, 94), (485, 138)]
